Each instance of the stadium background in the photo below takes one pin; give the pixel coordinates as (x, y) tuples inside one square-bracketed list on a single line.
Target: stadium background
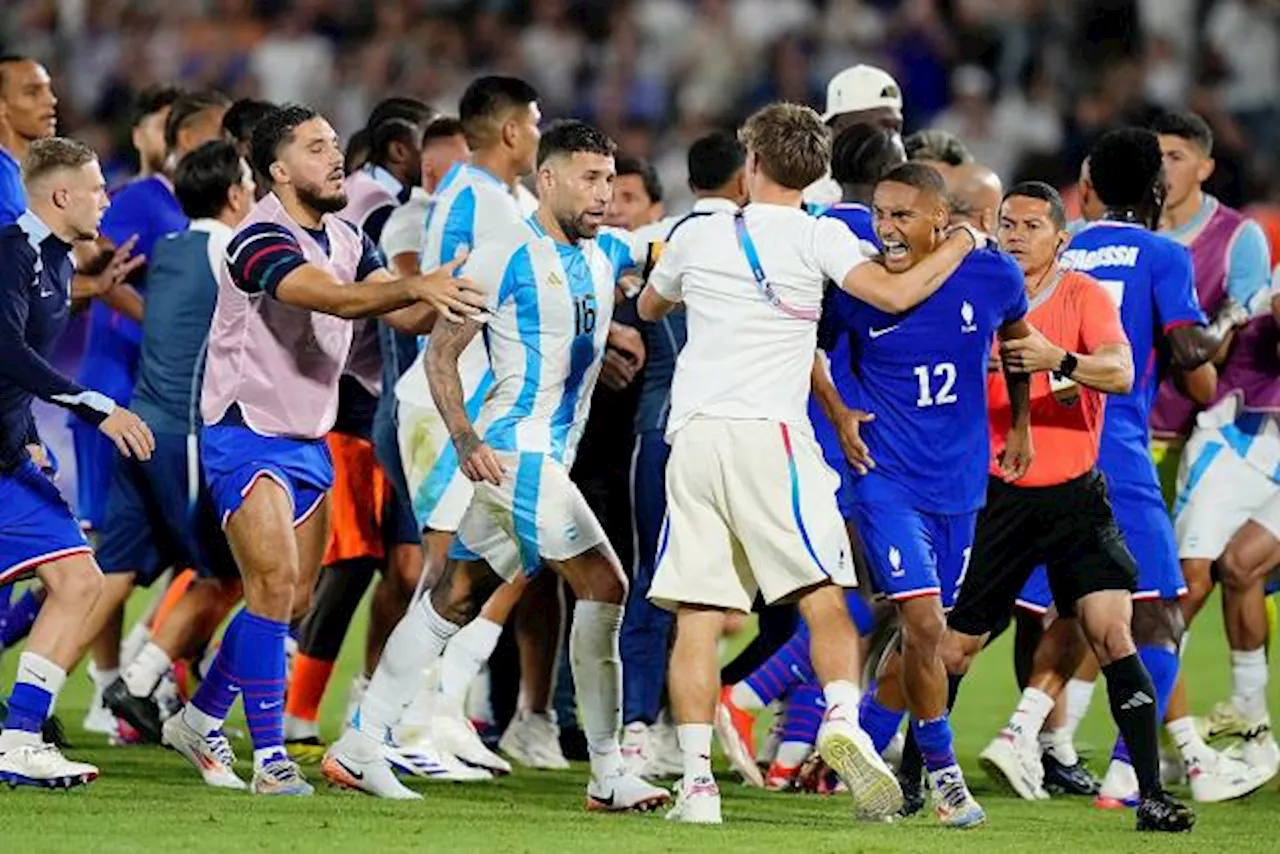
[(1027, 84)]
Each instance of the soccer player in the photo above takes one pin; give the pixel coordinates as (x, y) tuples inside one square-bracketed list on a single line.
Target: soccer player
[(750, 503), (500, 116), (648, 741), (973, 196), (66, 197), (859, 156), (924, 375), (550, 284), (159, 514), (293, 278), (29, 113), (359, 544)]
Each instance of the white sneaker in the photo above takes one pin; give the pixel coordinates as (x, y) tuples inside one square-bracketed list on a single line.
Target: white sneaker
[(281, 777), (1225, 720), (1259, 747), (43, 766), (98, 720), (533, 740), (1014, 764), (1215, 777), (697, 802), (457, 735), (1119, 787), (211, 755), (636, 748), (665, 759), (624, 792), (424, 758), (954, 804), (357, 762), (848, 751)]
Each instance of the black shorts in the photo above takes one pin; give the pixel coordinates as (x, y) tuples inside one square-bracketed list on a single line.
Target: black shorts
[(1069, 528)]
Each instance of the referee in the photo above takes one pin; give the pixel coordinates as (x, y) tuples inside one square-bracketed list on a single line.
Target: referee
[(1058, 514)]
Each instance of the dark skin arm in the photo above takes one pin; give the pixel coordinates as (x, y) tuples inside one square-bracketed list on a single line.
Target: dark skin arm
[(1194, 345), (1018, 453), (448, 340)]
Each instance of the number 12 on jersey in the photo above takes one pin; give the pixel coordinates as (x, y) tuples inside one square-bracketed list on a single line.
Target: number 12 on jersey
[(941, 376)]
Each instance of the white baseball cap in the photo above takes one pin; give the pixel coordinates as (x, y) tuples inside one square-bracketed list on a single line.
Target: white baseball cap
[(861, 87)]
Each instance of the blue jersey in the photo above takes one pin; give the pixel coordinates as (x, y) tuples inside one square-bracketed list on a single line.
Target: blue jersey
[(35, 303), (924, 376), (1151, 279), (146, 208), (13, 196)]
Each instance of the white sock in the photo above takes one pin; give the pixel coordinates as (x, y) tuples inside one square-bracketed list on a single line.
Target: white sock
[(843, 698), (144, 672), (792, 754), (695, 750), (1186, 738), (134, 642), (463, 657), (415, 645), (40, 673), (1028, 718), (1249, 682), (745, 698), (1079, 696), (102, 678), (597, 680), (1058, 744), (199, 721)]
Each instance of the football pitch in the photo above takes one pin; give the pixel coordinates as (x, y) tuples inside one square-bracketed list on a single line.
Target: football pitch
[(148, 799)]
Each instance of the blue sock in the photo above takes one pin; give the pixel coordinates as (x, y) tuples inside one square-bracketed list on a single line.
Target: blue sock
[(259, 665), (783, 670), (18, 618), (1163, 667), (860, 611), (28, 707), (879, 722), (935, 742), (806, 706), (218, 691)]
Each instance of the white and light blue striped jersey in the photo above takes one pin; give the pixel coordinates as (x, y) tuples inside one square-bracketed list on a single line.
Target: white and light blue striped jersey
[(550, 306), (470, 207), (1253, 436)]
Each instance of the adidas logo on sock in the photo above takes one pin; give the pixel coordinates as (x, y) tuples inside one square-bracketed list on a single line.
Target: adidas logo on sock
[(1137, 701)]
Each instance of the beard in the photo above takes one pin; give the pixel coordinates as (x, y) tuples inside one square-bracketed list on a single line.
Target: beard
[(314, 199), (578, 228)]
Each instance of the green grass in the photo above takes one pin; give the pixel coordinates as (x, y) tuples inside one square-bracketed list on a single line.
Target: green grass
[(149, 799)]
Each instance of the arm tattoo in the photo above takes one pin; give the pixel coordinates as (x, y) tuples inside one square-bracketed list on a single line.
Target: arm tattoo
[(445, 346)]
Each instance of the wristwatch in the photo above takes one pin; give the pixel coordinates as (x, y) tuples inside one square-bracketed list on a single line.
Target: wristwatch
[(1067, 366)]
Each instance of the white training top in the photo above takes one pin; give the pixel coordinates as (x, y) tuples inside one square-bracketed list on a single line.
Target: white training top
[(747, 357)]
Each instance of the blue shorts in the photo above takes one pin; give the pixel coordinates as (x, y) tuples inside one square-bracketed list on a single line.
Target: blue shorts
[(36, 523), (1143, 518), (915, 554), (399, 525), (234, 457), (1036, 596), (95, 461), (157, 518), (834, 456)]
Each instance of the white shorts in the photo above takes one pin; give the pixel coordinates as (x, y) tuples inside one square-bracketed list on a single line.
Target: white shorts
[(439, 491), (537, 513), (1218, 491), (751, 505)]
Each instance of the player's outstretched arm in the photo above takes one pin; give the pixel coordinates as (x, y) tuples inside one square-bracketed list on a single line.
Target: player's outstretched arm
[(1200, 385), (898, 292), (1192, 345), (315, 289), (447, 342)]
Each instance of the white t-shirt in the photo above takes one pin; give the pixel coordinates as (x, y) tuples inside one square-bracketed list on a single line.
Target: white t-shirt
[(407, 226), (745, 357)]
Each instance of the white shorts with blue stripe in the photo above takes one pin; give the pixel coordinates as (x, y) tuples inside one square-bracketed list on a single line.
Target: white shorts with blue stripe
[(1219, 489), (751, 507), (537, 514)]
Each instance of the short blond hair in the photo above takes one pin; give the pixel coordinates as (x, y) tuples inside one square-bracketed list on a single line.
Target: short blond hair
[(46, 156), (791, 143)]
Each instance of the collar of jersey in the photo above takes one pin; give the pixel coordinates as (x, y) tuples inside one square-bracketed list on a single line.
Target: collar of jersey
[(38, 231), (714, 204), (1208, 205)]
